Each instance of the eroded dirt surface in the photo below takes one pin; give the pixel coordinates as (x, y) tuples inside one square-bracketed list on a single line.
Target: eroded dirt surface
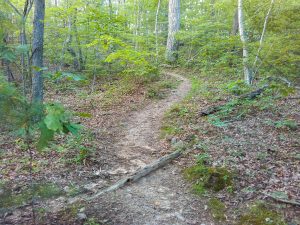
[(162, 197)]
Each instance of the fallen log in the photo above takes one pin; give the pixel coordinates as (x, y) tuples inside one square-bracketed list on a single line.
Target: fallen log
[(133, 177), (251, 95), (292, 202)]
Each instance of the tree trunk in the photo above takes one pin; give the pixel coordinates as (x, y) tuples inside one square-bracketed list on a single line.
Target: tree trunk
[(174, 25), (262, 36), (8, 73), (80, 55), (156, 29), (235, 25), (37, 50), (247, 70)]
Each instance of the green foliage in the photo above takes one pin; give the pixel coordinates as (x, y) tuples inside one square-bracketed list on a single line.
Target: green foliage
[(64, 75), (37, 191), (19, 114), (260, 215), (237, 87), (214, 178), (56, 120), (212, 48), (217, 208), (158, 90), (203, 158), (286, 123), (91, 221)]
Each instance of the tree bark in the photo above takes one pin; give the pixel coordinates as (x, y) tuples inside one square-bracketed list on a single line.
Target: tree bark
[(262, 36), (235, 25), (247, 70), (37, 50), (156, 29), (173, 28)]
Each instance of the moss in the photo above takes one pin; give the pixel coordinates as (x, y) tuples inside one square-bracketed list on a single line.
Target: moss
[(42, 191), (169, 130), (260, 215), (214, 178), (218, 178), (217, 208)]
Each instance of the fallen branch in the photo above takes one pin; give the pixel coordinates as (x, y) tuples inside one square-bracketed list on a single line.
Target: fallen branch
[(292, 202), (251, 95), (133, 177)]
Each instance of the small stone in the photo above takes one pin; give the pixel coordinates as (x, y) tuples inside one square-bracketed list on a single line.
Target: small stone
[(178, 145), (90, 187), (82, 210), (173, 140), (81, 216), (67, 189)]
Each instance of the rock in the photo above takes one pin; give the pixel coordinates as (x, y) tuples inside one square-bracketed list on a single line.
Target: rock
[(82, 210), (81, 216), (169, 137), (173, 141), (178, 145), (90, 187), (67, 189)]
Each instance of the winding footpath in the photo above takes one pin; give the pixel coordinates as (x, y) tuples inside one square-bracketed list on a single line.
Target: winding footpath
[(162, 197)]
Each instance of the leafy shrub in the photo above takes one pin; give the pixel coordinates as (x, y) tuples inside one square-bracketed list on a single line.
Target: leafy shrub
[(237, 87), (19, 114)]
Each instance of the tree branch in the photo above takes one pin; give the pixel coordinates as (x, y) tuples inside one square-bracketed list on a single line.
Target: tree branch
[(292, 202), (14, 8), (262, 36)]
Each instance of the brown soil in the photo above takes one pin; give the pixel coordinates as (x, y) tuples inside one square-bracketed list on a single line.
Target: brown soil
[(163, 197)]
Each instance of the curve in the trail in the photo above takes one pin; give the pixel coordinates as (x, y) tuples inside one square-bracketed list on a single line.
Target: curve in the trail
[(161, 198), (141, 139)]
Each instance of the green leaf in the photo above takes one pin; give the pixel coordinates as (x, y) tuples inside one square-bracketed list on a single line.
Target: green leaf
[(55, 116), (73, 128), (46, 136), (84, 114), (53, 123)]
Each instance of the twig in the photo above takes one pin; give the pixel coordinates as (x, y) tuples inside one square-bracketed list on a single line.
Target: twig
[(14, 8)]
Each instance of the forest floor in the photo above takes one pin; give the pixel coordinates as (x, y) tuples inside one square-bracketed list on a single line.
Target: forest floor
[(135, 131)]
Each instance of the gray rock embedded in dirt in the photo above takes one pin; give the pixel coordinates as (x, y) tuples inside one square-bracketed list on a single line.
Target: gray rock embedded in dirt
[(173, 141), (179, 145), (81, 216)]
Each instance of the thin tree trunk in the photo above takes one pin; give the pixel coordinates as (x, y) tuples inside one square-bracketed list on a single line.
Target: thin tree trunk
[(137, 24), (235, 25), (8, 73), (174, 25), (262, 36), (156, 29), (110, 8), (80, 55), (68, 43), (37, 50), (6, 64), (247, 70)]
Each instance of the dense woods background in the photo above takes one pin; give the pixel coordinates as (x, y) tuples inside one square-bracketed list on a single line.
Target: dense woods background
[(68, 65)]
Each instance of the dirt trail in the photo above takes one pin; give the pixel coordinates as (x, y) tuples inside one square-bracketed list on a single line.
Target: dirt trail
[(141, 139), (163, 197)]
